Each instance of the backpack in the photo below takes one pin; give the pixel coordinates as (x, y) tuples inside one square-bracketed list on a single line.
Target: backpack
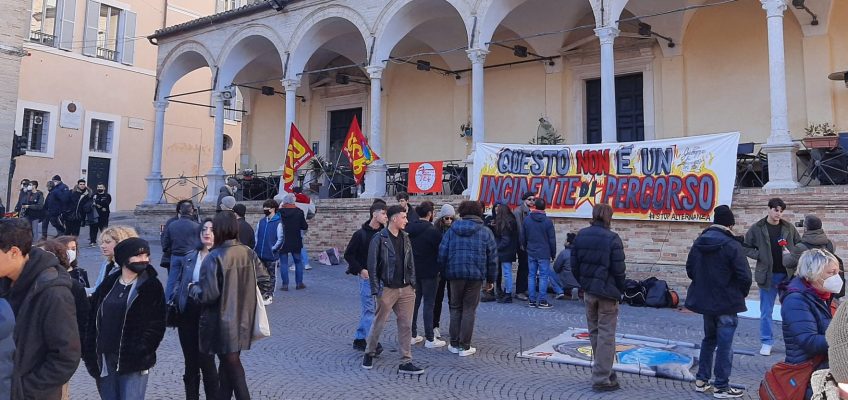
[(785, 381), (634, 293), (657, 293)]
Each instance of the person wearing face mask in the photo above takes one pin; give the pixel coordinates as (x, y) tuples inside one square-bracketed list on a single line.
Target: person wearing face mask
[(101, 202), (127, 324), (78, 274), (269, 238), (32, 206), (188, 325), (22, 194), (806, 309)]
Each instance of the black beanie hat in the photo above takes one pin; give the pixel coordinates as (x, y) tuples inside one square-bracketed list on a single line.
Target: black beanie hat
[(130, 247), (57, 178), (723, 216)]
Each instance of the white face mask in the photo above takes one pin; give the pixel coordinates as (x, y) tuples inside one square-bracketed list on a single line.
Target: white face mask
[(833, 284), (72, 255), (29, 188)]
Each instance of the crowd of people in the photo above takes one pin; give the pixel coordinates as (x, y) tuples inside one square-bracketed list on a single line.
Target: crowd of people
[(222, 272)]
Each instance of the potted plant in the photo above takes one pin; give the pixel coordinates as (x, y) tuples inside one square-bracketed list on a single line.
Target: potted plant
[(821, 136)]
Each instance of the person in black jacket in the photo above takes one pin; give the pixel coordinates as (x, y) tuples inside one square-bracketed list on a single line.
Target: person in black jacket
[(246, 236), (539, 240), (46, 334), (506, 234), (166, 256), (101, 202), (178, 240), (126, 325), (58, 197), (32, 206), (721, 279), (356, 255), (597, 261), (80, 200), (425, 239), (292, 223)]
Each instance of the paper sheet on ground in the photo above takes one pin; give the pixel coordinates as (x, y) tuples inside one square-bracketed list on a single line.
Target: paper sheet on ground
[(754, 311)]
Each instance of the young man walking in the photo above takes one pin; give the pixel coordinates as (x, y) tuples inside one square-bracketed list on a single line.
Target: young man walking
[(391, 267), (46, 334), (356, 255), (267, 239), (521, 212), (766, 241), (539, 239), (721, 280), (292, 224), (179, 239), (425, 239), (597, 261), (469, 256)]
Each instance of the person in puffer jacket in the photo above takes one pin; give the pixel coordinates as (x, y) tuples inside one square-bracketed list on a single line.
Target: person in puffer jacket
[(806, 309), (539, 239), (469, 255), (597, 261)]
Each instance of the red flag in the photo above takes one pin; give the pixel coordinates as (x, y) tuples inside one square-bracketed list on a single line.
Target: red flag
[(425, 177), (298, 153), (357, 151)]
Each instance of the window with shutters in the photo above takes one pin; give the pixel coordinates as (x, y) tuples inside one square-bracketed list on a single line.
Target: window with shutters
[(233, 107), (109, 32), (100, 138), (227, 5), (42, 25), (35, 129)]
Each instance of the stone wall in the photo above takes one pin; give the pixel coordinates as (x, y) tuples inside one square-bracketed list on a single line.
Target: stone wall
[(652, 248)]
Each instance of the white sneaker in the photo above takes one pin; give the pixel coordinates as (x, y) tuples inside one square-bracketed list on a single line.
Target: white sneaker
[(454, 350), (435, 343), (416, 339), (291, 268), (307, 267), (436, 333), (470, 351), (765, 350), (267, 301)]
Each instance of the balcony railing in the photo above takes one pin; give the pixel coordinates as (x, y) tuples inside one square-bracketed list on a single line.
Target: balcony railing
[(107, 54), (43, 38)]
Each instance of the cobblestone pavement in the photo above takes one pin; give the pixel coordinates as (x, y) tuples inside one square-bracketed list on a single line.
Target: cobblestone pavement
[(309, 355)]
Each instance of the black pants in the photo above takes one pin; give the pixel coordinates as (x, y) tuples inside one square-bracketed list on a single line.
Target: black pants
[(231, 375), (57, 223), (95, 229), (465, 296), (72, 227), (523, 272), (440, 299), (425, 289), (195, 361)]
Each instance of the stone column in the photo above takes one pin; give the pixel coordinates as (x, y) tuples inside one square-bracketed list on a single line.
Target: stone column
[(609, 130), (478, 61), (290, 86), (154, 180), (779, 146), (215, 176), (375, 175)]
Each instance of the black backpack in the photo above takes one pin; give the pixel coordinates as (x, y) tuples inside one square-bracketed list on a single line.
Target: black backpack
[(658, 294), (634, 293)]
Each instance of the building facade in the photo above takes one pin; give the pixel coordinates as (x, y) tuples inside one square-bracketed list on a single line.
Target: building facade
[(84, 101), (597, 70), (13, 32)]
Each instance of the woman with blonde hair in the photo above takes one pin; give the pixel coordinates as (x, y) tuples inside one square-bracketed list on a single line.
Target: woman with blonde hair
[(109, 238)]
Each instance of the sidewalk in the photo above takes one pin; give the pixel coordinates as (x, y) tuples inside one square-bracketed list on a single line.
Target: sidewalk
[(309, 355)]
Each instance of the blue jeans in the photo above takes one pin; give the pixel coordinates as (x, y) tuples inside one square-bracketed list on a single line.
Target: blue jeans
[(506, 268), (173, 276), (129, 386), (538, 268), (718, 338), (767, 297), (298, 268), (304, 257), (367, 309), (552, 279)]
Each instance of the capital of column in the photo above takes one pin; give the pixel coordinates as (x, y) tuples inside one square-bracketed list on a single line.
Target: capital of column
[(291, 84), (607, 34), (774, 8), (160, 105), (477, 56), (218, 95), (375, 71)]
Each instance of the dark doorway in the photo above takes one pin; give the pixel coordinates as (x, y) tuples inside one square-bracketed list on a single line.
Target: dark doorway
[(98, 172), (343, 184), (629, 109)]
